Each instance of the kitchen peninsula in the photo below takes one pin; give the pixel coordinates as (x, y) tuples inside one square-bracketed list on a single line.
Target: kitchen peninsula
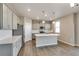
[(9, 45)]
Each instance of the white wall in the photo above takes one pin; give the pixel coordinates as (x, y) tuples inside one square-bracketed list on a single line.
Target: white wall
[(77, 29), (27, 29), (67, 29)]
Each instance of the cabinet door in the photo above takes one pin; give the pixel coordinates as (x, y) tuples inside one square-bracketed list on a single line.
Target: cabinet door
[(14, 49), (17, 46), (5, 24), (9, 20), (14, 21)]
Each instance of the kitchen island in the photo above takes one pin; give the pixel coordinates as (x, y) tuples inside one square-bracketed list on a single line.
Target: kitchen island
[(44, 39)]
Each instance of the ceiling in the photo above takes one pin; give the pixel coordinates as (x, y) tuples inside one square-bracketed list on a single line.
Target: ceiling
[(38, 10)]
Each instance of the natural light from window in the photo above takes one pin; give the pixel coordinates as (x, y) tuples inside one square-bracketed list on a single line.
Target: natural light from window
[(57, 26)]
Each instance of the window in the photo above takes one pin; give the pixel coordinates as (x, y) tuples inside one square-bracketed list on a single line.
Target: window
[(57, 26)]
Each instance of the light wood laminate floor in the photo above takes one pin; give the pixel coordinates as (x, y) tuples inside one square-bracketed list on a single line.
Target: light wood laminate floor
[(58, 50)]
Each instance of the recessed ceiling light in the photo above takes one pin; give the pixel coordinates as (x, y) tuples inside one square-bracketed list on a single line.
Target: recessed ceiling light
[(45, 15), (28, 10), (43, 21)]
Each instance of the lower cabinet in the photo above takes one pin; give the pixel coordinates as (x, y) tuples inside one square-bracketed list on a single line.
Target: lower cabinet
[(16, 47), (11, 49)]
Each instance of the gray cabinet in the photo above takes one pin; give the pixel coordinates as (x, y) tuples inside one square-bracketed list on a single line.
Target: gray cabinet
[(11, 49)]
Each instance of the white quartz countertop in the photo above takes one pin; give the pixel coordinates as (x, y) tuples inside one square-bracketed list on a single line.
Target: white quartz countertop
[(9, 40), (45, 34), (16, 38)]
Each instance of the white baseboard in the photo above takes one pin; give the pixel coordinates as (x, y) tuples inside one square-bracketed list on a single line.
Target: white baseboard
[(77, 45), (66, 42), (27, 40)]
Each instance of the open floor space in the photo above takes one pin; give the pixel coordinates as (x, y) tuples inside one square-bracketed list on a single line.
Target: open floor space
[(58, 50)]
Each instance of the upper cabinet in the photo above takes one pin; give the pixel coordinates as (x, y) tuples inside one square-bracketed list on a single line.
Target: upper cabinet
[(5, 18), (8, 19), (14, 21)]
